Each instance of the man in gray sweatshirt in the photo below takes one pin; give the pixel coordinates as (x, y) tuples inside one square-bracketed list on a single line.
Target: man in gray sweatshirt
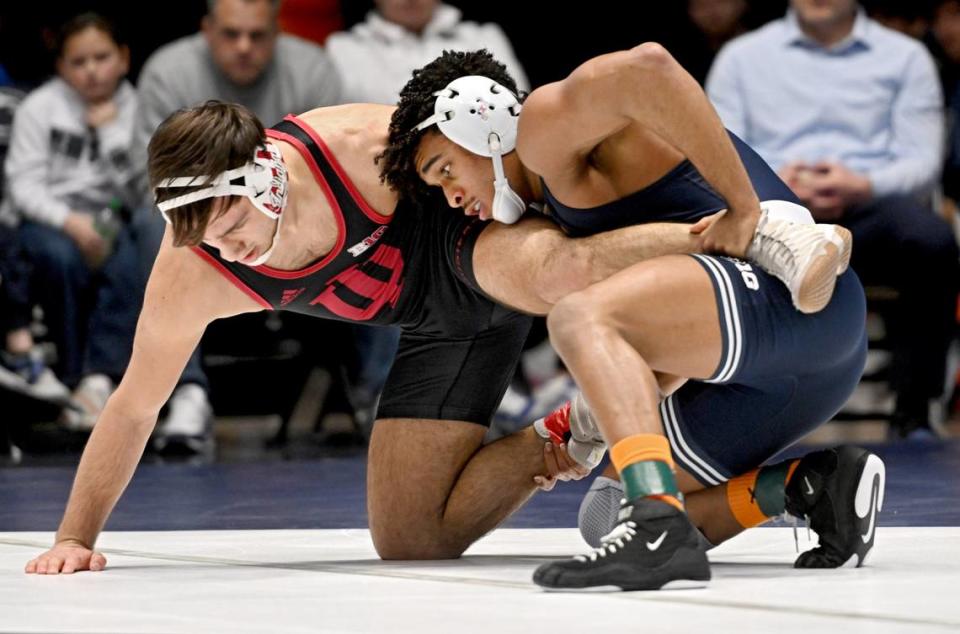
[(238, 56)]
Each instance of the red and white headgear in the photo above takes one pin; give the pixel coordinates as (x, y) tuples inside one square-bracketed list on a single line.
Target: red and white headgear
[(480, 115), (263, 180)]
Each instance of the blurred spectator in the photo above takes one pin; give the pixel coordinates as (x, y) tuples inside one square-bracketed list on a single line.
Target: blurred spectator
[(22, 365), (850, 114), (945, 30), (945, 27), (312, 20), (714, 23), (376, 57), (68, 174), (910, 18), (718, 20), (239, 56)]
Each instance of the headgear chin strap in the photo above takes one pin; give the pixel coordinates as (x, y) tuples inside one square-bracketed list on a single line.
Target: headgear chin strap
[(273, 245), (480, 115)]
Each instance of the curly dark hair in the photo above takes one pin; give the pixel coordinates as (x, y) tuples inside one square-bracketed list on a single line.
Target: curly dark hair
[(398, 161)]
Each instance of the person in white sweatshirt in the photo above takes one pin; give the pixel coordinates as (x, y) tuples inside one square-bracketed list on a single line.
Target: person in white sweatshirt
[(69, 175)]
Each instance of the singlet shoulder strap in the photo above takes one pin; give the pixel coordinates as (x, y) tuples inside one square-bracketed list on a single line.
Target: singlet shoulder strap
[(332, 174)]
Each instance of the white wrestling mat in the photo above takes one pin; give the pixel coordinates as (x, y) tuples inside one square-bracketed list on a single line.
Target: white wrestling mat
[(330, 581)]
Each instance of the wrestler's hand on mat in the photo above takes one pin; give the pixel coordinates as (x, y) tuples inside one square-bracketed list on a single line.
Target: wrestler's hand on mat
[(726, 233), (66, 557), (560, 466)]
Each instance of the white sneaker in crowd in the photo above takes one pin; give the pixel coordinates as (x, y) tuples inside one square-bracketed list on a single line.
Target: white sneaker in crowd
[(188, 426), (28, 374), (88, 400)]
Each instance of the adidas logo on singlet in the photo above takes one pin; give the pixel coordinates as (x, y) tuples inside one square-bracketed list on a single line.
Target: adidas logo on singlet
[(290, 294), (367, 242)]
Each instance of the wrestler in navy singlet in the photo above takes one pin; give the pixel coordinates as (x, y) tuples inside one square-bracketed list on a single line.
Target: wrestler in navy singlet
[(782, 373), (682, 195), (412, 270)]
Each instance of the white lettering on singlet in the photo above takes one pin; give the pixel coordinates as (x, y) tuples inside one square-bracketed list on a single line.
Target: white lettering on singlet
[(749, 277), (367, 242)]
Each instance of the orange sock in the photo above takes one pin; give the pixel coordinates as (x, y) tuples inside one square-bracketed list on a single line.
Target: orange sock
[(645, 465), (758, 495)]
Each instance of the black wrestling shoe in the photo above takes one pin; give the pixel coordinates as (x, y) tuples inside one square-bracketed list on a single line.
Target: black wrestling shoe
[(839, 491), (653, 545)]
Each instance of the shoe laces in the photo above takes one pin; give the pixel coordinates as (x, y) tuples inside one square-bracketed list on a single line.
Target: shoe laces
[(793, 520), (617, 538), (779, 245)]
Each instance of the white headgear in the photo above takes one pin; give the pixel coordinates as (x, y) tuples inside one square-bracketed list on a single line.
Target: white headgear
[(480, 115), (263, 180)]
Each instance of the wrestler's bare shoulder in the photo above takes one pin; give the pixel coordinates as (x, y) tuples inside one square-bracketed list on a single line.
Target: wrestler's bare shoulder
[(357, 134), (183, 277)]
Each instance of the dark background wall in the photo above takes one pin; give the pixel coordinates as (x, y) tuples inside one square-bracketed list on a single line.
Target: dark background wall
[(550, 38), (550, 43)]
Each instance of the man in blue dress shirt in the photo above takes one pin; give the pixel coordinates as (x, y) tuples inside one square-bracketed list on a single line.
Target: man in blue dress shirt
[(850, 114)]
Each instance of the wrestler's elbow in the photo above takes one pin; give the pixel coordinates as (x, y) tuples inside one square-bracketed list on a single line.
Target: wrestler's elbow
[(646, 67), (650, 56)]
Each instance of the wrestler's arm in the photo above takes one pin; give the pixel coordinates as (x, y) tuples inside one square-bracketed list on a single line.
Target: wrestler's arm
[(184, 294), (562, 122), (531, 265)]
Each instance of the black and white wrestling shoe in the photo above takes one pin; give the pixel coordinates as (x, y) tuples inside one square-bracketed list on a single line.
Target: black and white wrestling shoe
[(840, 493), (653, 545)]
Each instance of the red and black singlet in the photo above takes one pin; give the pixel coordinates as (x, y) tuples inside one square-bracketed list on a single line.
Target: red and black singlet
[(411, 269), (361, 279)]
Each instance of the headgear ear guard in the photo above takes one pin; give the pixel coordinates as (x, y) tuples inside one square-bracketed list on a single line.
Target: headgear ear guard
[(263, 180), (480, 115)]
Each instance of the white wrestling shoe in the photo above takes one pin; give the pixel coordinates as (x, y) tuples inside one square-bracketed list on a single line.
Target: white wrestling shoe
[(574, 424), (807, 258)]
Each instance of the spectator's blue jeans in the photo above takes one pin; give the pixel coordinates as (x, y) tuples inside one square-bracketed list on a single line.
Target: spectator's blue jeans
[(91, 315), (14, 284), (900, 243)]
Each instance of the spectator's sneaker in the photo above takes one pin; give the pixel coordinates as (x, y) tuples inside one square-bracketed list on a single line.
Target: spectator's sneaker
[(806, 258), (840, 492), (88, 400), (28, 374), (653, 545), (188, 427)]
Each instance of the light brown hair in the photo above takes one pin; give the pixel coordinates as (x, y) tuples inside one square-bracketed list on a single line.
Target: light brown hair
[(205, 140)]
